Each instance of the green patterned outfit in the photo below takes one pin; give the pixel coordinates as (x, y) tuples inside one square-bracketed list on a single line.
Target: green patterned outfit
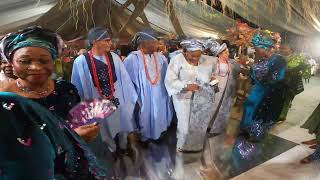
[(313, 125), (297, 68)]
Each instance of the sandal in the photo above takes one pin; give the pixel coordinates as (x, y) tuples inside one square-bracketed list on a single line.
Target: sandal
[(310, 142), (313, 147), (313, 157), (306, 160)]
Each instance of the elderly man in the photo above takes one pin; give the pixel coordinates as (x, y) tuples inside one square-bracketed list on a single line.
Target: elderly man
[(100, 73), (147, 69)]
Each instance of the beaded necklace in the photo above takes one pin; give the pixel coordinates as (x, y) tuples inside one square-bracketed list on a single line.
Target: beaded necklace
[(156, 80), (95, 76)]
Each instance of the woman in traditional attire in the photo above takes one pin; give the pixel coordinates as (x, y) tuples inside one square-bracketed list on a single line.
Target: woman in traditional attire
[(313, 125), (264, 104), (297, 65), (101, 74), (6, 72), (226, 72), (147, 69), (187, 81), (31, 53)]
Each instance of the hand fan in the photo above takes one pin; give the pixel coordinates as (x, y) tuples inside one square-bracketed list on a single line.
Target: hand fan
[(89, 112)]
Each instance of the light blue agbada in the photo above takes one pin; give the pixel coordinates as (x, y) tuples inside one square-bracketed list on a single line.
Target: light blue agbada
[(155, 113), (120, 121)]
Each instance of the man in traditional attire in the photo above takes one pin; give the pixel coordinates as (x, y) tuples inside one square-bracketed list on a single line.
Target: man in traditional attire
[(147, 69), (101, 74)]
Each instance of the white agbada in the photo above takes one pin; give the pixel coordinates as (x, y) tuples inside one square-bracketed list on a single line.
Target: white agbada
[(194, 110)]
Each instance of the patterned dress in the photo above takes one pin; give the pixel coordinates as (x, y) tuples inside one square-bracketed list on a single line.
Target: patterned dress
[(60, 102), (194, 110), (264, 104), (36, 144), (313, 125)]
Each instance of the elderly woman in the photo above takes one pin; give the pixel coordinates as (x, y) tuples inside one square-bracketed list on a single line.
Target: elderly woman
[(187, 81), (32, 52), (6, 74), (264, 104), (226, 72)]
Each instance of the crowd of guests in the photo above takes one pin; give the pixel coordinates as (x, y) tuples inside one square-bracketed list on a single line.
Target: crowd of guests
[(191, 79)]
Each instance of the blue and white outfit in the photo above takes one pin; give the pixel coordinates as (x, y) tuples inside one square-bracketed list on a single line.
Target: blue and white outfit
[(155, 113), (120, 121)]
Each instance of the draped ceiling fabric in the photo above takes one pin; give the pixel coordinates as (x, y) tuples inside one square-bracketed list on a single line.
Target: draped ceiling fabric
[(196, 20), (74, 19), (279, 15), (14, 13)]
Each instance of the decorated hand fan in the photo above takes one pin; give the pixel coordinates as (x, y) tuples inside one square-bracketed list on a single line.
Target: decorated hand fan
[(89, 112)]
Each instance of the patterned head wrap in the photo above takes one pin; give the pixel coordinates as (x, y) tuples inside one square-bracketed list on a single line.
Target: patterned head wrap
[(31, 37), (263, 40), (216, 48), (98, 33), (146, 35), (208, 43), (192, 45)]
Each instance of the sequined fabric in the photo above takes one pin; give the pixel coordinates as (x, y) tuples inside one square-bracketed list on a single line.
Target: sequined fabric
[(261, 71), (61, 100), (265, 101), (316, 155), (246, 149), (36, 144)]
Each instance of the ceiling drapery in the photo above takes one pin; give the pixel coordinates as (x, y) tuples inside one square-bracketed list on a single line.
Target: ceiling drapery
[(196, 18), (297, 16)]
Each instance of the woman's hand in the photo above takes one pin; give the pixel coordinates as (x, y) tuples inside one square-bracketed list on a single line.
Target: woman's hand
[(193, 87), (88, 132), (213, 78)]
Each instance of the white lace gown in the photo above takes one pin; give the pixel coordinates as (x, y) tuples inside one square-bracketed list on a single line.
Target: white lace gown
[(194, 110)]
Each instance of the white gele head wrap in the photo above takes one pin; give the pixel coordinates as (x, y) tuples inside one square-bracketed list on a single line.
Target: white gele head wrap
[(209, 43), (192, 45), (216, 49)]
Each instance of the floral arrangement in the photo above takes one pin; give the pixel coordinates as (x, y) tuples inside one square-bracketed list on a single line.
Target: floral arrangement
[(240, 34)]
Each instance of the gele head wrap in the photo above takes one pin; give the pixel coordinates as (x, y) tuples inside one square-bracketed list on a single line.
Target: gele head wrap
[(261, 40), (192, 45), (31, 37)]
